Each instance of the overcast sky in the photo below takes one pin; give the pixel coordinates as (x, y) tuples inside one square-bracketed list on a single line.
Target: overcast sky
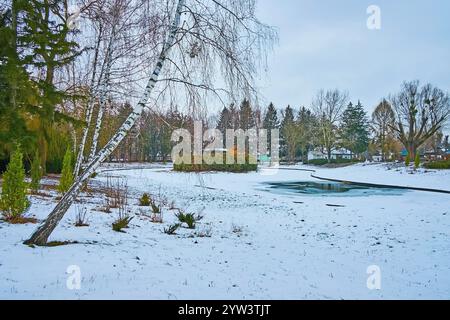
[(326, 44)]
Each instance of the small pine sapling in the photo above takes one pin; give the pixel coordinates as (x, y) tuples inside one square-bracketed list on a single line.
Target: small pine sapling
[(417, 161), (408, 160), (13, 201)]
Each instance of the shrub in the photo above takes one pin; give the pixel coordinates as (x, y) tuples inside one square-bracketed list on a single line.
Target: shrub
[(188, 218), (66, 180), (116, 193), (235, 168), (438, 165), (145, 200), (36, 172), (155, 208), (121, 223), (204, 233), (157, 217), (408, 160), (417, 161), (323, 162), (81, 218), (172, 229), (14, 200)]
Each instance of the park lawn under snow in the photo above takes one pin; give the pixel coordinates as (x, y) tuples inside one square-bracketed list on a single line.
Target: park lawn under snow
[(263, 245)]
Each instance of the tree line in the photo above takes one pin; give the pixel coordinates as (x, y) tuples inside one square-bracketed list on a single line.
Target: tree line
[(413, 119)]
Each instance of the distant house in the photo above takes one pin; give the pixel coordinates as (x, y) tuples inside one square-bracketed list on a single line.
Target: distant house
[(341, 153), (377, 158), (436, 155), (404, 153)]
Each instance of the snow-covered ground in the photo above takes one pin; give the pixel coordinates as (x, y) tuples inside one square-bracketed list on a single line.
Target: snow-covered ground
[(390, 175), (263, 245)]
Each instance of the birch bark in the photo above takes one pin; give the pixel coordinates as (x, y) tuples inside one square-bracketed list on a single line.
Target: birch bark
[(103, 94), (89, 110)]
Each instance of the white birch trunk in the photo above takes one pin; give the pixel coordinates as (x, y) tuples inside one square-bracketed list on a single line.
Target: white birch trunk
[(41, 235), (89, 112), (103, 94)]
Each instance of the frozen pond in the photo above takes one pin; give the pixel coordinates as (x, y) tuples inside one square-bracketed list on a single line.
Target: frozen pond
[(326, 188)]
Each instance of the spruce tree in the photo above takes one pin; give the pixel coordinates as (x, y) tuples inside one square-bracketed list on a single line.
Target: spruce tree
[(306, 122), (286, 128), (355, 129), (235, 117), (17, 90), (247, 119), (225, 121), (14, 200), (36, 172), (270, 123), (45, 44), (67, 173)]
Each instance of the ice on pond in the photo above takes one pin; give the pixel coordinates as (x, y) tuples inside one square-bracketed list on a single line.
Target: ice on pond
[(326, 188)]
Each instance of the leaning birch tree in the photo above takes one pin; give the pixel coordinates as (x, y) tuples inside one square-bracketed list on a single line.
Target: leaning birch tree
[(208, 42)]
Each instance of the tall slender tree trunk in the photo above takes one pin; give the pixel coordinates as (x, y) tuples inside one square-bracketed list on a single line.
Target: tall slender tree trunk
[(412, 149), (89, 109), (103, 94), (41, 235)]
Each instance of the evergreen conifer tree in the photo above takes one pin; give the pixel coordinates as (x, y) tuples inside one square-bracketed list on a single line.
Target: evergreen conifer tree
[(246, 116), (14, 202), (270, 123), (286, 127), (417, 160), (67, 173), (355, 129), (408, 160), (225, 121)]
